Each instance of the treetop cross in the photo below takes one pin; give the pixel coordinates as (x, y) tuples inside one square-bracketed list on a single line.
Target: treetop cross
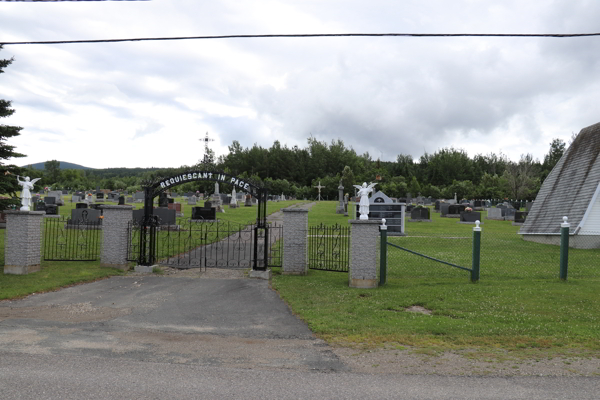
[(206, 139)]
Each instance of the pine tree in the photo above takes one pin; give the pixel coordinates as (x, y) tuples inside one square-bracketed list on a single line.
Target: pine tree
[(8, 179)]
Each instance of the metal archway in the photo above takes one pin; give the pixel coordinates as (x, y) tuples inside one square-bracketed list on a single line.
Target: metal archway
[(149, 224)]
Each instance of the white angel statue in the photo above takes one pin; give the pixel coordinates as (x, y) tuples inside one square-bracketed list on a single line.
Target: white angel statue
[(26, 192), (363, 192)]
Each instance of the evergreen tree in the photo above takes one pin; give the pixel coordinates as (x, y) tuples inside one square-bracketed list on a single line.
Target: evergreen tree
[(8, 179)]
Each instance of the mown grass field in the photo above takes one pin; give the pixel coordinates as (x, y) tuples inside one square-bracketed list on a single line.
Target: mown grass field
[(518, 303)]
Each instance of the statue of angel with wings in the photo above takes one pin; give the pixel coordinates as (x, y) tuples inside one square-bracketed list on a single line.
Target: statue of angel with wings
[(26, 192), (363, 192)]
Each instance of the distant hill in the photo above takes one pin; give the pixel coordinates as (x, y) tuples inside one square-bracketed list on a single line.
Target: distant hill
[(63, 165)]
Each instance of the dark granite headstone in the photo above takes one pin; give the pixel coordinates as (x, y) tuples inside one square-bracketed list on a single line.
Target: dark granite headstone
[(121, 200), (164, 215), (51, 209), (81, 205), (456, 209), (470, 216), (204, 213), (419, 213), (50, 200), (520, 216), (84, 216)]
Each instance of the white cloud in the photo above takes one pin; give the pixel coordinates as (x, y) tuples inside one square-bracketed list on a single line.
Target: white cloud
[(147, 103)]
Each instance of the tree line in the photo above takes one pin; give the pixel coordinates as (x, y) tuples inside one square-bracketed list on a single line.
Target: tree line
[(296, 171), (447, 171)]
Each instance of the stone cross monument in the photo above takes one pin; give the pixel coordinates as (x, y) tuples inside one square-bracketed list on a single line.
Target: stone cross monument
[(319, 187), (340, 207)]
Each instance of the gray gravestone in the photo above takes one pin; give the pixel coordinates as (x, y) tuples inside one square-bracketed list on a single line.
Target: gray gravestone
[(495, 213)]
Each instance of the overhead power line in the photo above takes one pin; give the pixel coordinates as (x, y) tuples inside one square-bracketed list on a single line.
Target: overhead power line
[(312, 35)]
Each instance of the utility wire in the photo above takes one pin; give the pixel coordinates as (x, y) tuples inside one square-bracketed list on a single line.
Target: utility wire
[(312, 35)]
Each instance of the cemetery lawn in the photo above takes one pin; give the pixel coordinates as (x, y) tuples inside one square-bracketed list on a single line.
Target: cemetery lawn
[(436, 308), (55, 275)]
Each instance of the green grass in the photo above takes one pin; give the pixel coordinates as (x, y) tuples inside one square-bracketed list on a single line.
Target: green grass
[(518, 304), (324, 212), (54, 275)]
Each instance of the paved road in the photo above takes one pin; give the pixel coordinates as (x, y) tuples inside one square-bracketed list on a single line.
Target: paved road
[(187, 337)]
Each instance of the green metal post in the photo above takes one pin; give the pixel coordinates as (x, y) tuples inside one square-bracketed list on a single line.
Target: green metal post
[(476, 252), (564, 249), (383, 255)]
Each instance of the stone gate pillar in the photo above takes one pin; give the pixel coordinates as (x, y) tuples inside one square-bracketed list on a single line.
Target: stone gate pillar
[(114, 235), (363, 253), (23, 242), (295, 229)]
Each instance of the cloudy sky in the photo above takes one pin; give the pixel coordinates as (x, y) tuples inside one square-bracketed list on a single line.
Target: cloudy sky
[(144, 104)]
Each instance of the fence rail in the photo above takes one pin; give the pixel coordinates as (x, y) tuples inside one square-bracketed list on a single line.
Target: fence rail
[(498, 255)]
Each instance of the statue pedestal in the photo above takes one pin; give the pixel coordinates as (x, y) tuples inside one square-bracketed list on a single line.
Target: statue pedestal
[(363, 254), (23, 242)]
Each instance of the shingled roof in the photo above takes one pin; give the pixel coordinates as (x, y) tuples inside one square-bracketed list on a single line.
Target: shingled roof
[(570, 187)]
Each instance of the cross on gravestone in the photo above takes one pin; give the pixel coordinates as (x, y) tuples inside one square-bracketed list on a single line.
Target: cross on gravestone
[(319, 187)]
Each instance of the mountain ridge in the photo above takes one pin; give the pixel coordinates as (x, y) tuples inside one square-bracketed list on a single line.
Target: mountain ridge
[(63, 165)]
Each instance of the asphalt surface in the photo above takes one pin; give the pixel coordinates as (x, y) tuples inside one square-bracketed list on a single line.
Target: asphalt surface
[(184, 337)]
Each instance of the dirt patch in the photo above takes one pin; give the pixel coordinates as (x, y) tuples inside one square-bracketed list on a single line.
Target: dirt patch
[(418, 309)]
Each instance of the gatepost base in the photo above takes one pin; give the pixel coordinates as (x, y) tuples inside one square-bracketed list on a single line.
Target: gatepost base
[(144, 269), (122, 267), (260, 274), (21, 269), (363, 283)]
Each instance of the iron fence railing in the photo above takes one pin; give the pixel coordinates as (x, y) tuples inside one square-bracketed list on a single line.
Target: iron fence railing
[(329, 247), (67, 239)]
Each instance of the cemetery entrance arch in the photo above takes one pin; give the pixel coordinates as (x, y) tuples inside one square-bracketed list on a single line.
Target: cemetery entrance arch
[(149, 225)]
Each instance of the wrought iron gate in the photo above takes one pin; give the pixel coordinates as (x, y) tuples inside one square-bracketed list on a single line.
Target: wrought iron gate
[(329, 247), (67, 239), (206, 244)]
